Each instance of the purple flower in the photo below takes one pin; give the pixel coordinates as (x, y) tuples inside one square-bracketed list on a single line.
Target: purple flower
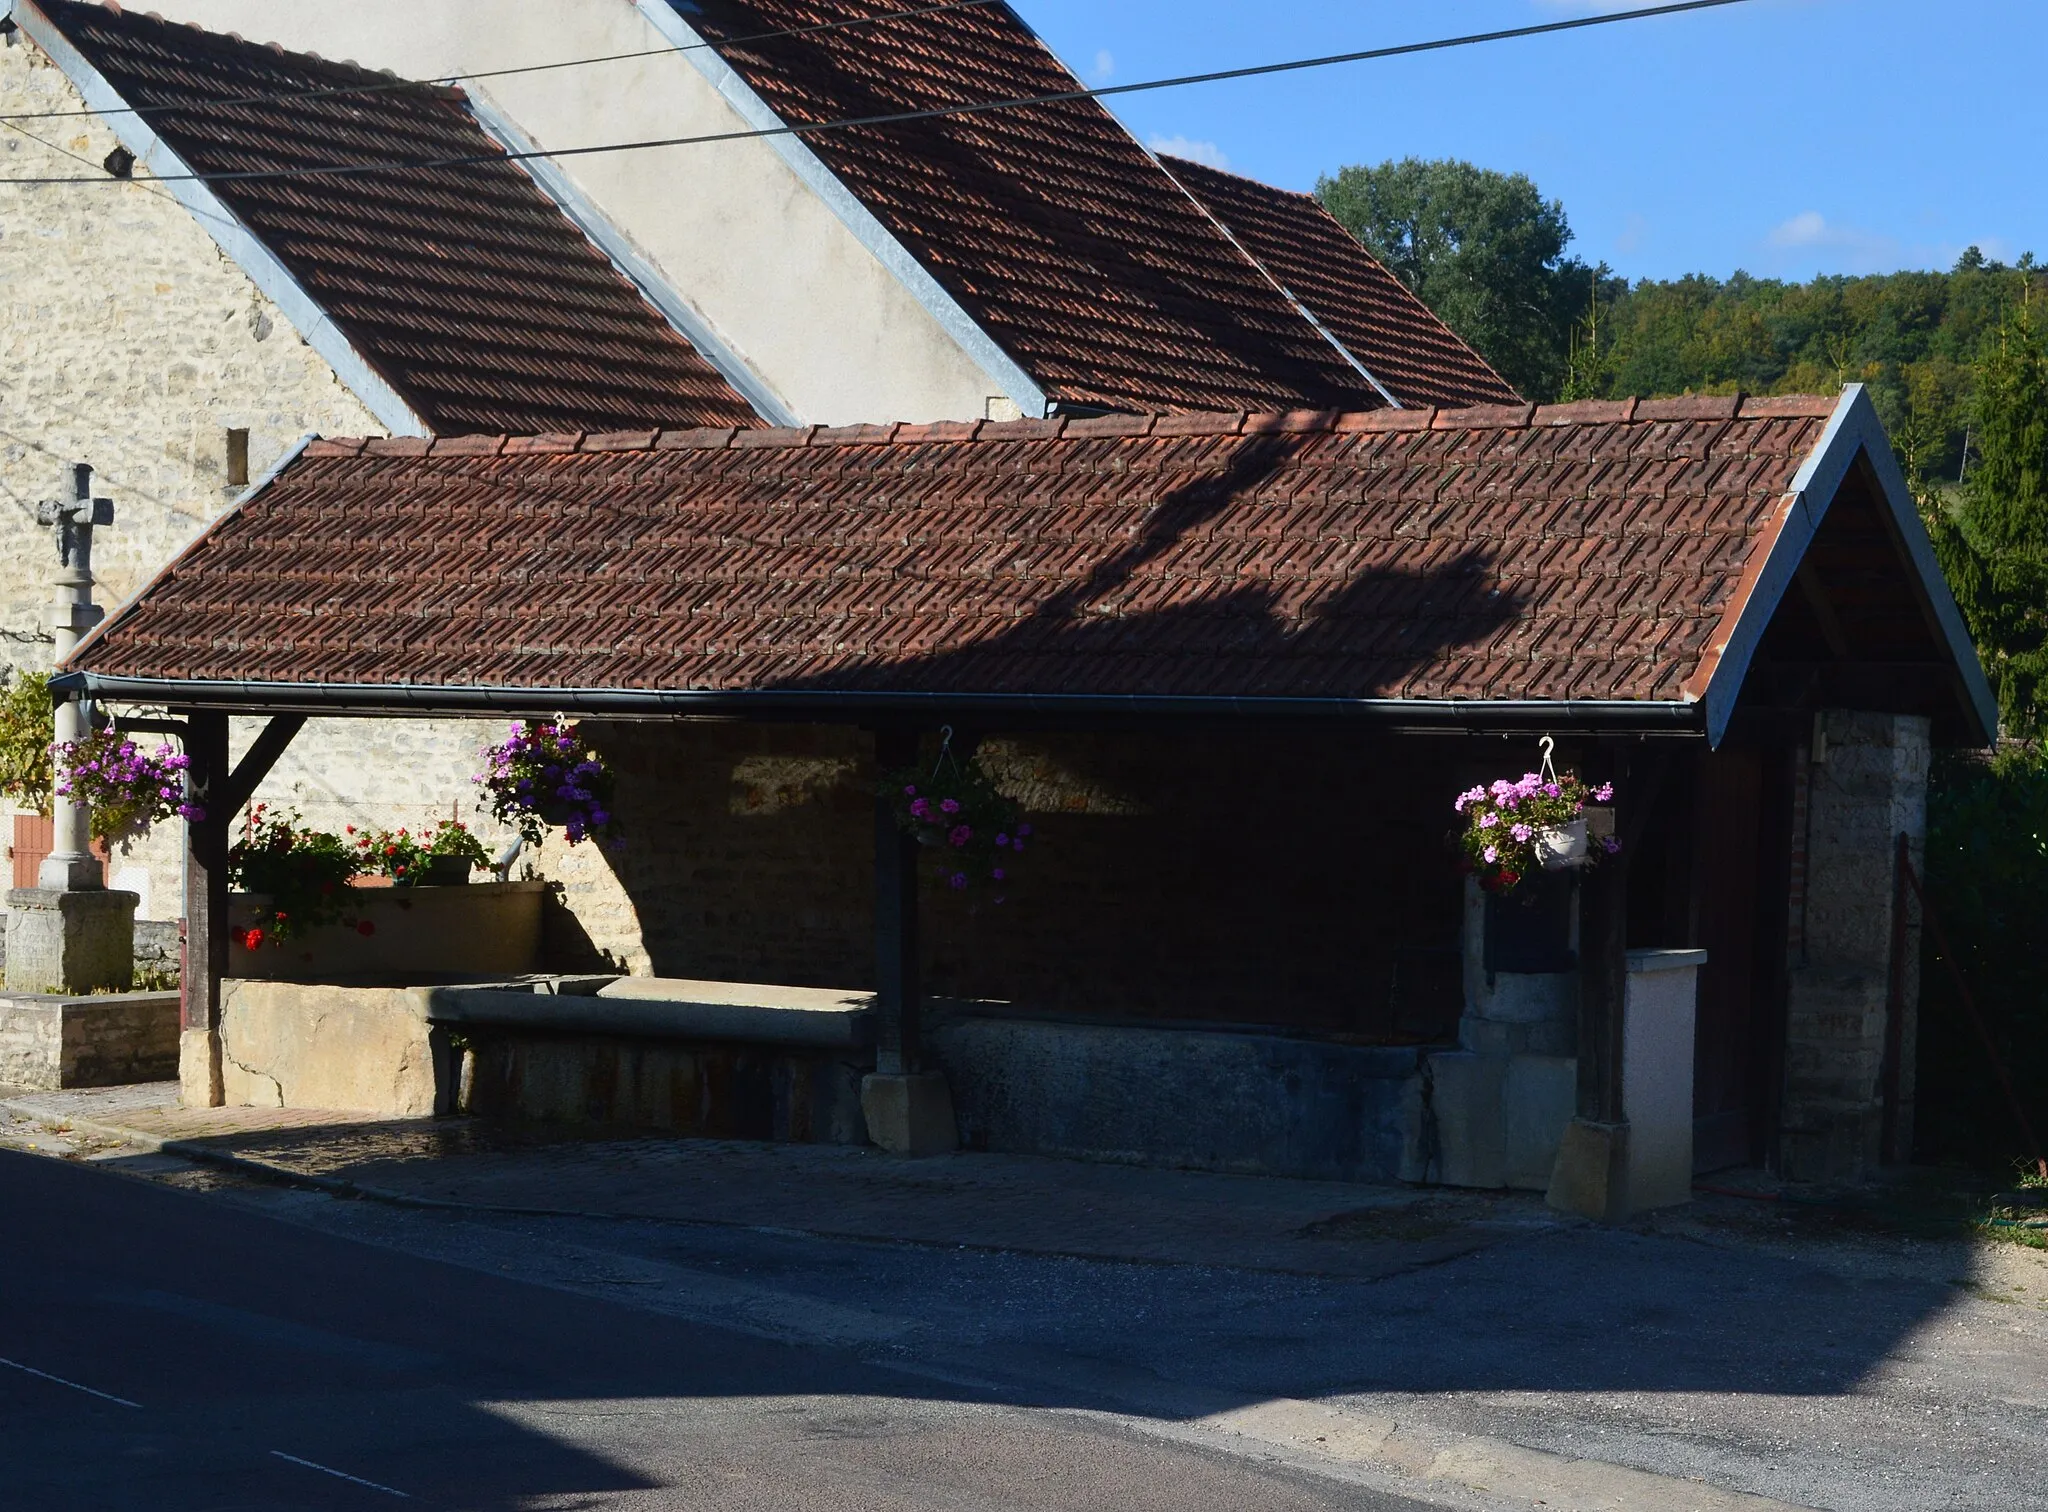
[(997, 873), (1002, 840), (1609, 844), (910, 791), (1023, 829), (921, 808), (957, 881), (949, 806), (960, 835)]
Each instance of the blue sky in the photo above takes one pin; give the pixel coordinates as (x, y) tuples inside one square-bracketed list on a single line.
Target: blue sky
[(1786, 137)]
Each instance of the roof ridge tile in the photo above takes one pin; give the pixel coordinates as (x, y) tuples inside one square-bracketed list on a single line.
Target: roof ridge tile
[(1486, 417)]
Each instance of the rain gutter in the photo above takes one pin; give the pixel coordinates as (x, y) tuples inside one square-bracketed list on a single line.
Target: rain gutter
[(422, 700)]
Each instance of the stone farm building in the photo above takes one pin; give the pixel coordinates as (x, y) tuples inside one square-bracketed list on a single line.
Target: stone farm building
[(1236, 666), (184, 318)]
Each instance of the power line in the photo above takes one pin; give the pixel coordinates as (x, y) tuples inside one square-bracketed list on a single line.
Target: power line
[(391, 86), (900, 117)]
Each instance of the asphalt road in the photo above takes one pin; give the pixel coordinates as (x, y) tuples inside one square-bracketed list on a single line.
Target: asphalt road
[(164, 1350)]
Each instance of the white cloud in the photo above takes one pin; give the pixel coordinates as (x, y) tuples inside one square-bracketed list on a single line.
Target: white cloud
[(1105, 67), (1809, 228), (1206, 153)]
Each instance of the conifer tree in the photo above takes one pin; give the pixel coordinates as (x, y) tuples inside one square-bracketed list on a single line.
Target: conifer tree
[(1995, 551)]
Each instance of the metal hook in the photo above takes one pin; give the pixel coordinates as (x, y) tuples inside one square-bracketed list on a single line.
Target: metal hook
[(945, 749), (1546, 745)]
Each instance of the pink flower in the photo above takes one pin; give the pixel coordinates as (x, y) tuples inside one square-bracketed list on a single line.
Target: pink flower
[(960, 835), (1604, 793), (1488, 821), (1521, 832), (1490, 854)]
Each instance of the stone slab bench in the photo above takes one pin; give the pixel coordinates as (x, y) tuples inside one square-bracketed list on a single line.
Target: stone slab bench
[(816, 1018)]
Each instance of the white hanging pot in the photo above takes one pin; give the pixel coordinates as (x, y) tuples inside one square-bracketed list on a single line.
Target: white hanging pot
[(1562, 848)]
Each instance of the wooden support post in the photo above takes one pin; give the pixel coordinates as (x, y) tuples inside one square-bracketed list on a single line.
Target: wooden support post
[(898, 989), (1591, 1176), (206, 910), (1603, 987)]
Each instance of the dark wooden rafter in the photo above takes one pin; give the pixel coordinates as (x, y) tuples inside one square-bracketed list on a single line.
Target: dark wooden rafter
[(257, 761)]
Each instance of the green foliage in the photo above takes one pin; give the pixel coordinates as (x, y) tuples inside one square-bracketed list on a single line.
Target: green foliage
[(1912, 338), (27, 728), (406, 858), (1995, 550), (303, 872), (1484, 250), (1987, 872)]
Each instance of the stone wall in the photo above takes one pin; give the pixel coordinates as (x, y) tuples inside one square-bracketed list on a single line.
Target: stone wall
[(1269, 878), (1867, 784), (129, 341)]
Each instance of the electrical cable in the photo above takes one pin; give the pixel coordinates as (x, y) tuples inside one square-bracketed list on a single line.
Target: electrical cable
[(390, 86), (901, 117)]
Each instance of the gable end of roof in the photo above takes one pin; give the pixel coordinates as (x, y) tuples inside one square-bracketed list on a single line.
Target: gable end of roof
[(237, 242), (1854, 432)]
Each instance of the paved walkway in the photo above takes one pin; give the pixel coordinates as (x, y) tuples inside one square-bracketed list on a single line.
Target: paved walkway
[(1014, 1203)]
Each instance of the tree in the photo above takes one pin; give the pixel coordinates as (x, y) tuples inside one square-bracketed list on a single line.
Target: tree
[(1484, 250), (1994, 550)]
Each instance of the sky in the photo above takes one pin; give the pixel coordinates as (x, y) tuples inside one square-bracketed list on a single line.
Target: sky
[(1783, 137)]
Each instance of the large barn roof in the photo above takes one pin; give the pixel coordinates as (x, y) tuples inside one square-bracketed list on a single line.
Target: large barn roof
[(1058, 234), (465, 290), (1610, 561)]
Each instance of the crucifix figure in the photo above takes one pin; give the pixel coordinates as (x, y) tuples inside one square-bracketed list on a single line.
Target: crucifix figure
[(70, 866)]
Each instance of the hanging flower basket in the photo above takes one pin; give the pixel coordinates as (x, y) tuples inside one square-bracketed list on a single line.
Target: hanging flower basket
[(1535, 823), (1563, 847), (544, 776), (954, 810), (127, 789)]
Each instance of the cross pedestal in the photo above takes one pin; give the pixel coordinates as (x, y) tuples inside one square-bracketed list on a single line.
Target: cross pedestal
[(69, 933)]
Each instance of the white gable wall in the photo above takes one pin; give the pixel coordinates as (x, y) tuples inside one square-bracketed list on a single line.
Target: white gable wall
[(781, 276)]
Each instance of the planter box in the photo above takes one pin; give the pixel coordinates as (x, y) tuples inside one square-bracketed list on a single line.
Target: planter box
[(486, 929)]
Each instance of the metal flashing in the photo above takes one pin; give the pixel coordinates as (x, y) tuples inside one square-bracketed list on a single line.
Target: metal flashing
[(1001, 368), (236, 241), (634, 266), (1284, 292), (1853, 431)]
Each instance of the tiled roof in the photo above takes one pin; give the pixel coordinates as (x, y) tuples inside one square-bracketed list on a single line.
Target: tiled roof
[(1052, 227), (466, 288), (1575, 552), (1378, 318)]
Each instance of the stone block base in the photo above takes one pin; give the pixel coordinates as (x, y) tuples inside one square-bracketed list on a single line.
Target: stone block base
[(70, 942), (910, 1114), (107, 1041), (199, 1079), (1591, 1178)]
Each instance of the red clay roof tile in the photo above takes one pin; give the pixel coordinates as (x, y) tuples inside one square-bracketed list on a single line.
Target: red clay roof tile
[(1061, 236), (1303, 557), (467, 288), (1379, 320)]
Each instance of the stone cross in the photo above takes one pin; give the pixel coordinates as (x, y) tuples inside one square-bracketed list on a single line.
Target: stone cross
[(70, 866)]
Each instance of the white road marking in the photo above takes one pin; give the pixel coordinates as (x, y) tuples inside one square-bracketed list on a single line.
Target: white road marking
[(45, 1375), (341, 1475)]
